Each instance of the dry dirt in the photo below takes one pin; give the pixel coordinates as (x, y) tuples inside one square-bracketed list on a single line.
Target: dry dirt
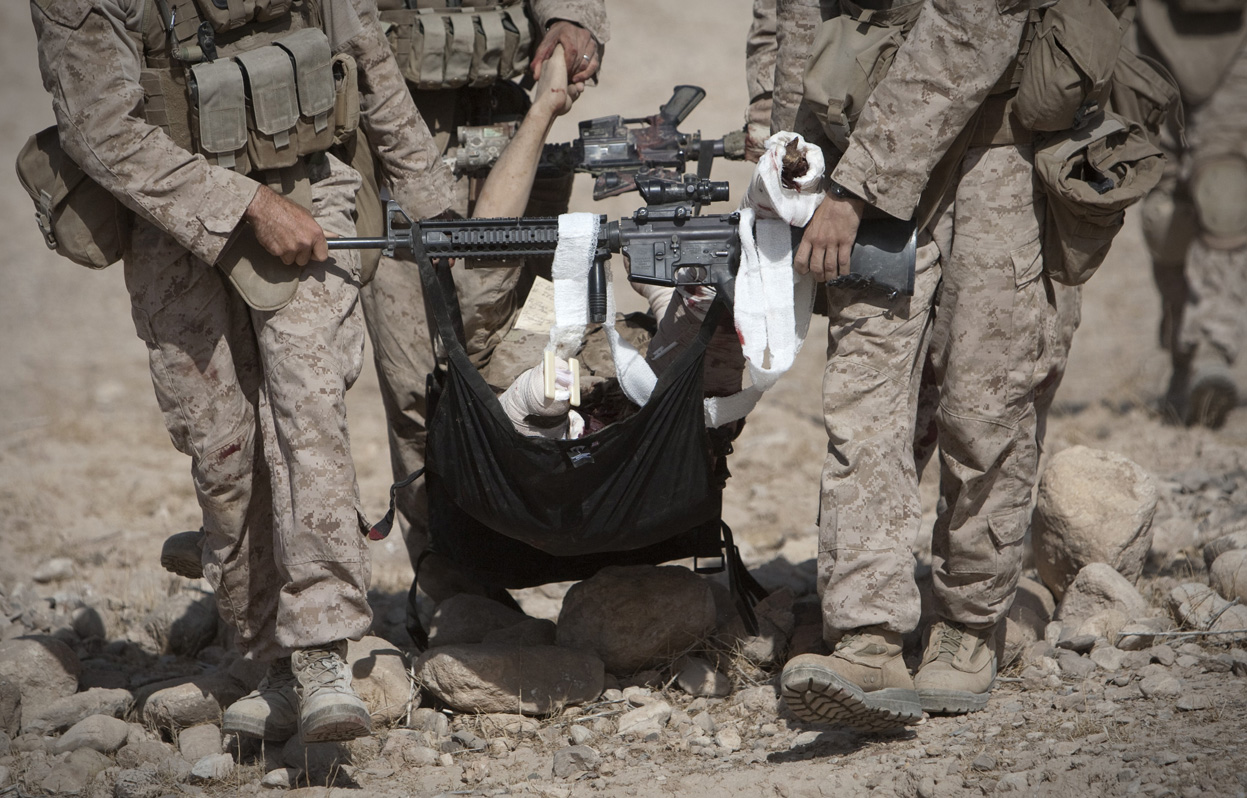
[(87, 472)]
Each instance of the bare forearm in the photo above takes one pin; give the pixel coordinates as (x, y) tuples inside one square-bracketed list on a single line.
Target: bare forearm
[(506, 190)]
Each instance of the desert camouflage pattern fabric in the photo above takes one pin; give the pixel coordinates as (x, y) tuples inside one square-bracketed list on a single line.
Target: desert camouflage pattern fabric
[(778, 46), (1202, 280), (489, 298), (993, 350), (256, 399)]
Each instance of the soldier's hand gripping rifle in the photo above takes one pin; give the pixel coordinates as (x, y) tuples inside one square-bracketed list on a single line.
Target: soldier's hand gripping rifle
[(619, 152), (665, 243)]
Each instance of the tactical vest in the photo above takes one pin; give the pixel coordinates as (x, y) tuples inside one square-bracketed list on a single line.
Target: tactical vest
[(252, 85), (449, 44)]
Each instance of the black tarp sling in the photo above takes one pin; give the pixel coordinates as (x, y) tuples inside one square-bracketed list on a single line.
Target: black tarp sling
[(517, 511)]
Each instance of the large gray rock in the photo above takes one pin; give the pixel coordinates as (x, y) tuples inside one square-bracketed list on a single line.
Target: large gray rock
[(179, 703), (1096, 588), (1093, 506), (529, 632), (466, 618), (1197, 606), (1228, 575), (637, 617), (65, 712), (529, 680), (98, 732), (183, 624), (379, 674), (44, 668)]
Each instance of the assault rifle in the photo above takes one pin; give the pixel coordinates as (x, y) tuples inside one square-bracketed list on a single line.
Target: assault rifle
[(665, 242), (619, 152)]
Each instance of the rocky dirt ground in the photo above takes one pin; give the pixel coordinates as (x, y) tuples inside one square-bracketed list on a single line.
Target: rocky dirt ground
[(90, 486)]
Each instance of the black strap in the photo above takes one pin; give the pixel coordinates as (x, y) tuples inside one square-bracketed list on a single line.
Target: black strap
[(744, 589), (382, 528)]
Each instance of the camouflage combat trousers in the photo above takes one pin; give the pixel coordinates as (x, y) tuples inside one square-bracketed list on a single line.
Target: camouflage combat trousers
[(1202, 280), (994, 347), (257, 399), (489, 300)]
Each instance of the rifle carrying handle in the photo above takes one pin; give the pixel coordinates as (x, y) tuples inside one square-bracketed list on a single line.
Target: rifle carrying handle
[(682, 102)]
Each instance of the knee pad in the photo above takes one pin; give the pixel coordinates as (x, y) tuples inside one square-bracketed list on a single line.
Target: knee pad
[(1219, 191), (1169, 224)]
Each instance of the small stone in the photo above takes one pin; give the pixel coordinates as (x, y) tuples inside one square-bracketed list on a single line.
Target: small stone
[(1075, 666), (699, 678), (1108, 657), (216, 767), (575, 759), (281, 778), (728, 739), (1160, 686), (579, 735), (200, 741), (1078, 643), (1189, 702), (137, 783), (57, 569), (653, 715), (983, 762)]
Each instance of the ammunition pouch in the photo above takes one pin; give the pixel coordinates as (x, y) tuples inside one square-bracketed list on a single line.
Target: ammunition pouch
[(1090, 176), (264, 108), (78, 218), (448, 48)]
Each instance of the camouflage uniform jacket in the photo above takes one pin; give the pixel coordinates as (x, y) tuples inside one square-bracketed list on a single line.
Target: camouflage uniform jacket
[(588, 14), (943, 72), (90, 58)]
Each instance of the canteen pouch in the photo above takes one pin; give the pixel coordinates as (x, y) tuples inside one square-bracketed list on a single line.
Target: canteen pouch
[(851, 54), (79, 219), (1090, 177), (1068, 72)]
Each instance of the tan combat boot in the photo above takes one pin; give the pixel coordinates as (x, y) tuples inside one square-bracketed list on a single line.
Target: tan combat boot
[(864, 684), (271, 711), (958, 668), (182, 554), (329, 708)]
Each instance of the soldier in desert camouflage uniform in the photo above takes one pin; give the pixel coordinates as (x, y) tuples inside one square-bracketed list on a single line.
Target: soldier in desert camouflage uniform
[(1195, 222), (489, 298), (990, 346), (254, 396)]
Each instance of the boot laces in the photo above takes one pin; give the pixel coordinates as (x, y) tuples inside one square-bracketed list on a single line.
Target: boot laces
[(322, 669), (950, 643)]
